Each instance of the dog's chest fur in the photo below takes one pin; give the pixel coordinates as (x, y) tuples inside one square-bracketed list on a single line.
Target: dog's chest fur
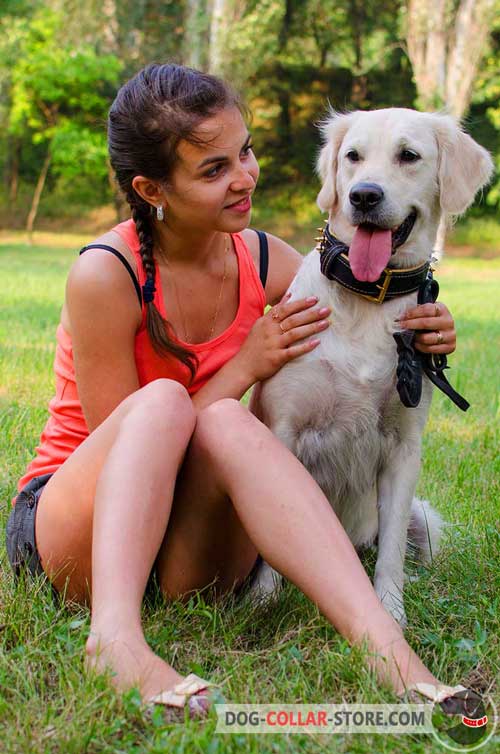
[(337, 407)]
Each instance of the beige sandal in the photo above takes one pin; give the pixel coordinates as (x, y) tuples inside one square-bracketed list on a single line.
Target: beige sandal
[(429, 691), (186, 692), (453, 700)]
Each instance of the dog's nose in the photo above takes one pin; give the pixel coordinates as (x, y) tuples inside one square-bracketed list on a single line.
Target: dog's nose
[(365, 196)]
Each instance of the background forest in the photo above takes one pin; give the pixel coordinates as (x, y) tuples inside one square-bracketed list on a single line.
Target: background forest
[(61, 62)]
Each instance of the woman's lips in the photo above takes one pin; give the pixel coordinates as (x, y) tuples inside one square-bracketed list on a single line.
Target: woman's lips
[(244, 205)]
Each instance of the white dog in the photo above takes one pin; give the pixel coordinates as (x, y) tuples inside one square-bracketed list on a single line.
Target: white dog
[(387, 175)]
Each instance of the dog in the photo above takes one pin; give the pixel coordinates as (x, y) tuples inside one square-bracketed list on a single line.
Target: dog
[(386, 177)]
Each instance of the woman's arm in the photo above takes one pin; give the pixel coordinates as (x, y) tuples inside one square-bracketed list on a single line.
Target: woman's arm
[(104, 315)]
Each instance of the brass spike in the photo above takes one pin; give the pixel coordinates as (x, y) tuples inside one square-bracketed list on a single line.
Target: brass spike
[(318, 238), (320, 230)]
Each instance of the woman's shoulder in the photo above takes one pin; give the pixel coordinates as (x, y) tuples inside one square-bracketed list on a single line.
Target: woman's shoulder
[(98, 279)]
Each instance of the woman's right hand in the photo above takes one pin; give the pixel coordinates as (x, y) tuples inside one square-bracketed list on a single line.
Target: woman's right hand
[(274, 339)]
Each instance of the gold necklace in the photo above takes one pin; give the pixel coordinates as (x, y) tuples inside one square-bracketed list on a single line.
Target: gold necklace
[(217, 308)]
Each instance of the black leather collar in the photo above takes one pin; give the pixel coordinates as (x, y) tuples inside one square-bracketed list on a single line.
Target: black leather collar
[(334, 263)]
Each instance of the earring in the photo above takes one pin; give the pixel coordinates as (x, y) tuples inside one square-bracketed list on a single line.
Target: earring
[(160, 213)]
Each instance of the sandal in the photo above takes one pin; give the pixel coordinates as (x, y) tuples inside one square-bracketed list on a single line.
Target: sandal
[(187, 693), (453, 700)]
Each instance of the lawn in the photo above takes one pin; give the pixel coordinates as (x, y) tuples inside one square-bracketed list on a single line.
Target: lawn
[(285, 653)]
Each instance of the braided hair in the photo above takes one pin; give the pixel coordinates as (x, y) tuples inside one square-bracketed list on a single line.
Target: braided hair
[(152, 112)]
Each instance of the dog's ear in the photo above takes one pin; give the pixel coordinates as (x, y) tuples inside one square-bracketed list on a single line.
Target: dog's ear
[(333, 130), (463, 165)]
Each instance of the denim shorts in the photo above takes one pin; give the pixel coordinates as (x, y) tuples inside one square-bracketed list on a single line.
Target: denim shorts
[(21, 544)]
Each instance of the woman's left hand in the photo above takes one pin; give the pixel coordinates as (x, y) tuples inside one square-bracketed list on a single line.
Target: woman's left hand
[(438, 324)]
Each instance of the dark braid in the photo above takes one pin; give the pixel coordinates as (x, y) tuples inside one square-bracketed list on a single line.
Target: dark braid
[(152, 112), (158, 328)]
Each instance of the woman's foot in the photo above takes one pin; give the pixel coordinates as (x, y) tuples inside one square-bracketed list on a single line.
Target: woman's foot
[(131, 661), (398, 667)]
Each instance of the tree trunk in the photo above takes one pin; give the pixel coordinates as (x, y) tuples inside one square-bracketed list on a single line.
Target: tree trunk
[(471, 32), (445, 48), (36, 196), (13, 172), (218, 30), (196, 27)]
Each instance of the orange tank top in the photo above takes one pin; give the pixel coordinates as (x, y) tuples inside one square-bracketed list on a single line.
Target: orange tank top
[(66, 427)]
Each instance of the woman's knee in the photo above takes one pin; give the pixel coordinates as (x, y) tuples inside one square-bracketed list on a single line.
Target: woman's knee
[(226, 418), (166, 401)]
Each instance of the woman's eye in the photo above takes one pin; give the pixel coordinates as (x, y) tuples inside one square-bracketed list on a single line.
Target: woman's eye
[(352, 155), (246, 150), (408, 155), (213, 172)]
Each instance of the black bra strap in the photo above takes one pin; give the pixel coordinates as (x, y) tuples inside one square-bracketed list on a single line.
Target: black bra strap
[(122, 259), (264, 257)]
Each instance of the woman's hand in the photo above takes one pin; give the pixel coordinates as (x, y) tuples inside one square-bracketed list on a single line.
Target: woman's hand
[(274, 338), (439, 334)]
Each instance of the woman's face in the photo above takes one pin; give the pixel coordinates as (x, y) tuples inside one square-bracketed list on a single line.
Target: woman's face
[(212, 183)]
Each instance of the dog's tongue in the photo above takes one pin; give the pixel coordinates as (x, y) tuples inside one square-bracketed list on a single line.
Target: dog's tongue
[(369, 253)]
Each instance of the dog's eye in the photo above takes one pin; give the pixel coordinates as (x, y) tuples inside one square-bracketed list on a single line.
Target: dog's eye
[(352, 155), (408, 155)]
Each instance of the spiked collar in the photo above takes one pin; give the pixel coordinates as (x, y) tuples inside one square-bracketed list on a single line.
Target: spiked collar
[(334, 263)]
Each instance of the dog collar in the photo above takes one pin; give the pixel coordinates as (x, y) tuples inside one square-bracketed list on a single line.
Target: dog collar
[(334, 263)]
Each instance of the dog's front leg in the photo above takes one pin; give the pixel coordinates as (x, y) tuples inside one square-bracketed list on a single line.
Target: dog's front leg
[(396, 487)]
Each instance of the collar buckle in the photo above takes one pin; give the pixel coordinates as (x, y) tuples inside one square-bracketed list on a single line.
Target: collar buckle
[(383, 289)]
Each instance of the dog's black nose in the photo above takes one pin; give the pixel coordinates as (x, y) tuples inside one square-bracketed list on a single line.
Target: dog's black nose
[(365, 196)]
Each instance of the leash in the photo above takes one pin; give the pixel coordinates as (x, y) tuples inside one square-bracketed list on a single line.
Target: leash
[(411, 363), (334, 264)]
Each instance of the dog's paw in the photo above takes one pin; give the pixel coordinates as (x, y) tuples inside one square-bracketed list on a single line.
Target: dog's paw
[(266, 584)]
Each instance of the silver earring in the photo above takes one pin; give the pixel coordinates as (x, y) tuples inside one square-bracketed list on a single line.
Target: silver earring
[(159, 213)]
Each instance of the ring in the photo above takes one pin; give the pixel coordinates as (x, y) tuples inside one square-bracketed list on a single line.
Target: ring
[(275, 313), (437, 312), (440, 338), (281, 327)]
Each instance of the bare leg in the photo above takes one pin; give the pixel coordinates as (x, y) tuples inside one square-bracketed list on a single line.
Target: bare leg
[(293, 526), (104, 514)]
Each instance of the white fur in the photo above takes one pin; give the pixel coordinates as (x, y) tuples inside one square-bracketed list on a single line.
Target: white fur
[(337, 407)]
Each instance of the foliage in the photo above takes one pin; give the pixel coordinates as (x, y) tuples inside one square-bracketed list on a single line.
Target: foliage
[(61, 62)]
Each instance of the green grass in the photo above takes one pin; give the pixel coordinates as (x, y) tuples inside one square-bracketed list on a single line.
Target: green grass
[(286, 653)]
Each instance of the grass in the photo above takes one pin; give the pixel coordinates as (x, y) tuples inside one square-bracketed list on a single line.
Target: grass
[(285, 653)]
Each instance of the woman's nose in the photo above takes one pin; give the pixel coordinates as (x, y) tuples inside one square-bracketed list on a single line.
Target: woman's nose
[(244, 180)]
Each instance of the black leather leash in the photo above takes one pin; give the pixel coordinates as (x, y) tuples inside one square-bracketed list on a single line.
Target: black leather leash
[(411, 363)]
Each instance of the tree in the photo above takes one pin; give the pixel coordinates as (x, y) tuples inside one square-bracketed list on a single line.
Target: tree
[(58, 97)]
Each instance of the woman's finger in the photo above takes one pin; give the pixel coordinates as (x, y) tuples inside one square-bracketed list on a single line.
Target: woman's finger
[(300, 348), (444, 348), (299, 333), (427, 317), (305, 317), (284, 309), (438, 341)]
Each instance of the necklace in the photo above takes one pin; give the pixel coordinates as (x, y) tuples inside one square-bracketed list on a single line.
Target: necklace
[(217, 307)]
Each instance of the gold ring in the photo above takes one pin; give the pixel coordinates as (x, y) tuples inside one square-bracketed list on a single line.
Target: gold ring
[(281, 327), (440, 338), (275, 313), (437, 312)]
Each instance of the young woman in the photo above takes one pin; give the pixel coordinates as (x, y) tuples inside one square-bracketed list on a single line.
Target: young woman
[(148, 462)]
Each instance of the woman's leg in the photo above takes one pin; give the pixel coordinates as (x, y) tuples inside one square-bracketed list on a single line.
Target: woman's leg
[(292, 525), (103, 515)]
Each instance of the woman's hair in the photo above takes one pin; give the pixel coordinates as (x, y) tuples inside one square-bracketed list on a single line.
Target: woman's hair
[(152, 112)]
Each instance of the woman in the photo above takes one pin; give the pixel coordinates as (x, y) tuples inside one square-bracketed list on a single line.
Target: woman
[(148, 463)]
